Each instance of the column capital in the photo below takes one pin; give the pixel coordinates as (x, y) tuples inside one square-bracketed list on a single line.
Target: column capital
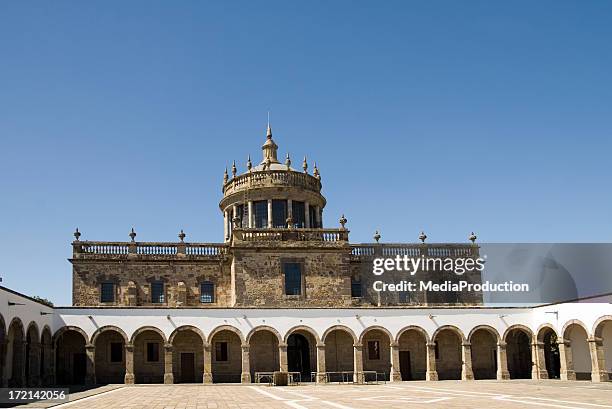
[(394, 344), (466, 344), (244, 347), (168, 347), (90, 347), (321, 345), (357, 345), (502, 344), (129, 347)]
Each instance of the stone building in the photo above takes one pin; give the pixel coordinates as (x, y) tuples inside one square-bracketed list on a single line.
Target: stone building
[(283, 293)]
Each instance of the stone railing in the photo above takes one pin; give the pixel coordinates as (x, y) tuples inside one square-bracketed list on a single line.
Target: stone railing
[(272, 178), (148, 249), (282, 234), (363, 251)]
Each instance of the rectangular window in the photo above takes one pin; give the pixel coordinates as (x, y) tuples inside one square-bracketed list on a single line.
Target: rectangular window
[(107, 292), (260, 210), (279, 213), (293, 278), (221, 352), (157, 292), (116, 351), (207, 292), (299, 215), (373, 350), (152, 352), (355, 287)]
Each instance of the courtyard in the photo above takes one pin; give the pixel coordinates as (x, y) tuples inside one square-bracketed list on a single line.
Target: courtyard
[(443, 394)]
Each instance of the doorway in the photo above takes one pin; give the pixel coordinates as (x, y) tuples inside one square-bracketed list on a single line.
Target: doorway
[(405, 371), (79, 365), (187, 367), (298, 355)]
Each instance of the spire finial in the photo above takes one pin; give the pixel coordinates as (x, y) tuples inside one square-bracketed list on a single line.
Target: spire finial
[(305, 165), (249, 164), (288, 161), (269, 130), (315, 172), (132, 234), (225, 176), (234, 170), (77, 234)]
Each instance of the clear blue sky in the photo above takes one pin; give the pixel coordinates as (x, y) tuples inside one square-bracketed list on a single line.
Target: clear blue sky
[(443, 116)]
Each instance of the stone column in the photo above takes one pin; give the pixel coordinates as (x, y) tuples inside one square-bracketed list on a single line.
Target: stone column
[(282, 354), (396, 374), (534, 366), (567, 363), (290, 208), (207, 377), (168, 375), (251, 216), (466, 365), (90, 371), (318, 216), (358, 362), (321, 378), (270, 224), (432, 373), (307, 215), (539, 360), (129, 364), (245, 377), (598, 360), (502, 362)]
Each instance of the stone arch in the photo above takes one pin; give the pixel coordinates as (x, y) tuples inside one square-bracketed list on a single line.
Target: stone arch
[(577, 350), (521, 327), (32, 354), (483, 341), (602, 334), (187, 328), (302, 344), (264, 353), (304, 328), (342, 328), (70, 356), (15, 354), (448, 340), (339, 343), (376, 351), (109, 354), (414, 328), (548, 341), (150, 355), (230, 328), (412, 342), (148, 328), (188, 344), (263, 328), (518, 339), (46, 357), (105, 328), (226, 354)]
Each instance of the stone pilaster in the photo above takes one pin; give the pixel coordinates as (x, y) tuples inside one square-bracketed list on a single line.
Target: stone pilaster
[(321, 378), (245, 377), (90, 368), (307, 215), (396, 375), (432, 373), (282, 355), (539, 360), (207, 376), (129, 364), (567, 362), (168, 375), (598, 363), (358, 362), (251, 216), (466, 362), (225, 225), (502, 362)]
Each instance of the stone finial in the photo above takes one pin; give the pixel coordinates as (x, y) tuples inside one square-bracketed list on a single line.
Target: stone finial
[(342, 221), (472, 237), (77, 234), (225, 176), (249, 163), (422, 237), (182, 235), (234, 170), (288, 161), (377, 236), (305, 165), (315, 172), (132, 234)]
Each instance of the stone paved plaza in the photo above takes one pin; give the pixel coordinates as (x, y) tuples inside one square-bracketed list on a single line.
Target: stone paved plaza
[(444, 394)]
